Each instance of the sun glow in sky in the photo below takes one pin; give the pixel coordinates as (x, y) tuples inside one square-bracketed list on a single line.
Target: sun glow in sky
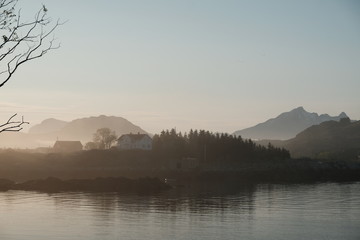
[(215, 65)]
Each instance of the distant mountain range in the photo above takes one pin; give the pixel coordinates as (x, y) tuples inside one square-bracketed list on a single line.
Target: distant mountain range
[(287, 125), (50, 130), (307, 134)]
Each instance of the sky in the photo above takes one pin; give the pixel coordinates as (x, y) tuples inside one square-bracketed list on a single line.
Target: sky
[(215, 65)]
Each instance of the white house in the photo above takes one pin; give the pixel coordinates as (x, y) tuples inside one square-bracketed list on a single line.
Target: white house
[(134, 141)]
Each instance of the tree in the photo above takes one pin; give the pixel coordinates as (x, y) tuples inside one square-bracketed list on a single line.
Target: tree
[(21, 42), (104, 137)]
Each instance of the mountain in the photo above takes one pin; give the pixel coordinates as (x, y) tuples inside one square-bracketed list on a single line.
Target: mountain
[(286, 125), (332, 139), (47, 126), (84, 128), (49, 130)]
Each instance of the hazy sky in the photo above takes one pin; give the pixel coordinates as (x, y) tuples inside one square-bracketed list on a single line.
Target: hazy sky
[(215, 65)]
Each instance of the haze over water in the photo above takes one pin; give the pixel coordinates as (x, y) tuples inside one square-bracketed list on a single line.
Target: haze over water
[(313, 211)]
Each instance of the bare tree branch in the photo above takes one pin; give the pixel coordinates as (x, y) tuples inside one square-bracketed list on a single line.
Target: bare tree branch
[(23, 41), (12, 126)]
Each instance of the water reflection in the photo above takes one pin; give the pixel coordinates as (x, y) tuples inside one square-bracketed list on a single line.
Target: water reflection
[(314, 211), (197, 199)]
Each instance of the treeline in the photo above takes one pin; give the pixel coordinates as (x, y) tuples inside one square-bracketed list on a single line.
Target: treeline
[(210, 147)]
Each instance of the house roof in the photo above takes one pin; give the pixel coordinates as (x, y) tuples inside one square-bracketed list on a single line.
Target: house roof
[(134, 137)]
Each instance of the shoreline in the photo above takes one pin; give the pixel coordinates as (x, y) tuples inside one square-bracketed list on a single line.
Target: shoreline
[(166, 180)]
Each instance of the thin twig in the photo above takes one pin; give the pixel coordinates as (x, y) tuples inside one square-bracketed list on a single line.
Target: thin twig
[(13, 126)]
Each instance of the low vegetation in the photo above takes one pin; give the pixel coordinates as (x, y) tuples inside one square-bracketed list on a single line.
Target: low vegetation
[(211, 157)]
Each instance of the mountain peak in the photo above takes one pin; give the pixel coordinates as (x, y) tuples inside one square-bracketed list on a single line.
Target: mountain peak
[(286, 125), (343, 115), (299, 109), (297, 114)]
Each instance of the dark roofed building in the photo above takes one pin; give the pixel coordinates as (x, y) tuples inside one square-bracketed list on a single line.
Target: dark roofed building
[(67, 146)]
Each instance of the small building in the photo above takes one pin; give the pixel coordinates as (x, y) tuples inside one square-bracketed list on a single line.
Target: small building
[(134, 141), (67, 146)]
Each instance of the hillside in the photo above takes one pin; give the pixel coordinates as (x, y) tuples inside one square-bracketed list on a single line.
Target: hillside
[(286, 125), (84, 128), (330, 139), (48, 126), (48, 131)]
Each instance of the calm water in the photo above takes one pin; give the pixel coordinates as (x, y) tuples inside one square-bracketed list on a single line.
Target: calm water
[(319, 211)]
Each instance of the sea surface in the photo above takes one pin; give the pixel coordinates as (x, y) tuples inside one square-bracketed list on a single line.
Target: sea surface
[(301, 211)]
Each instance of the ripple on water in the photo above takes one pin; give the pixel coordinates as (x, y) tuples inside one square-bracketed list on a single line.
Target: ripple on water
[(313, 211)]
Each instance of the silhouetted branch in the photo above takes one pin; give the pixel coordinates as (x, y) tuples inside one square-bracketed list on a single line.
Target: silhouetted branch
[(23, 41), (12, 126)]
